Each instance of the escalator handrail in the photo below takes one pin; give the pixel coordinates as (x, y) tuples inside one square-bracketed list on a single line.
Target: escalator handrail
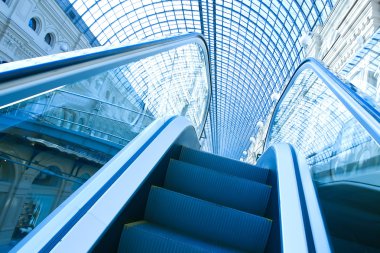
[(77, 209), (299, 215), (367, 116), (28, 78)]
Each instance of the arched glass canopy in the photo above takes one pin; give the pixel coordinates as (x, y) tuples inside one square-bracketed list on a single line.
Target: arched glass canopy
[(254, 48)]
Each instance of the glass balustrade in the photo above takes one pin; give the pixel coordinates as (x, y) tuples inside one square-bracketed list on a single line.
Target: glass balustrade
[(363, 71), (50, 144), (344, 160)]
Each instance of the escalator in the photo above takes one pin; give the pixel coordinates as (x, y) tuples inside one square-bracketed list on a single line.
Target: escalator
[(176, 198), (103, 166), (202, 206)]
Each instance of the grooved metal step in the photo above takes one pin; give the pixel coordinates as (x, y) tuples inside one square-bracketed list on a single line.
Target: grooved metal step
[(141, 236), (207, 221), (217, 187), (224, 165)]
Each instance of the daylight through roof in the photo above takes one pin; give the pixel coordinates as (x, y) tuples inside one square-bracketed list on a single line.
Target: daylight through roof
[(254, 48)]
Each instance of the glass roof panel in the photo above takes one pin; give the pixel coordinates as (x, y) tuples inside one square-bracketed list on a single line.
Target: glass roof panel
[(253, 45)]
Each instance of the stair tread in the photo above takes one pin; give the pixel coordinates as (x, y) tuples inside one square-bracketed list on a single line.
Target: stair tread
[(218, 187), (224, 164), (147, 237), (207, 221)]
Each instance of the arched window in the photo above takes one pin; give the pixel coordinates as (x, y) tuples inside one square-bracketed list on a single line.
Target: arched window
[(49, 39), (33, 23)]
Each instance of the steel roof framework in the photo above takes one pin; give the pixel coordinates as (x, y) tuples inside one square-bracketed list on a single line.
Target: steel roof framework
[(254, 47)]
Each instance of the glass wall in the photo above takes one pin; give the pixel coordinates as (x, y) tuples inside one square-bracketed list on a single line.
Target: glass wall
[(344, 160), (363, 71), (52, 143), (254, 48)]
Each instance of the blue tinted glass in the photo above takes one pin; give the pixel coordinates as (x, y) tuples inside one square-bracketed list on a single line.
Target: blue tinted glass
[(363, 71), (343, 159), (51, 143), (253, 44)]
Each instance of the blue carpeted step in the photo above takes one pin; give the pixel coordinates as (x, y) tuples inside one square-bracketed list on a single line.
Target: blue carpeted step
[(217, 187), (224, 164), (207, 221), (146, 237)]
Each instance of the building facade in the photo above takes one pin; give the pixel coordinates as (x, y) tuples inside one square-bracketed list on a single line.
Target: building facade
[(32, 28)]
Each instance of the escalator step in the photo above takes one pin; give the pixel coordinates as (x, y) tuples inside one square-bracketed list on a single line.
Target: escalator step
[(207, 221), (224, 164), (220, 188), (145, 237)]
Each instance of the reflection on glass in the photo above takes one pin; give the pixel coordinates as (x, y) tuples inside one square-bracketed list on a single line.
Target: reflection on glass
[(344, 161), (364, 74), (51, 144)]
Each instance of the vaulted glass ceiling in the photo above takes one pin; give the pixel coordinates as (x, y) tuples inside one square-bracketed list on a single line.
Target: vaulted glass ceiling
[(254, 47)]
